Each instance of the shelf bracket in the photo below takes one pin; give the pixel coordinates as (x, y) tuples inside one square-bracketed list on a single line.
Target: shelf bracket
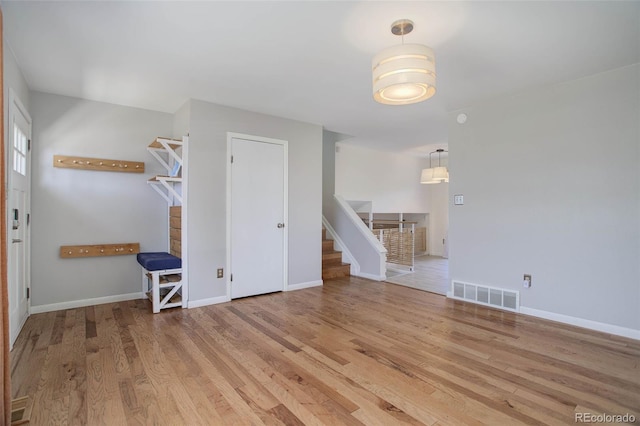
[(167, 183), (165, 146)]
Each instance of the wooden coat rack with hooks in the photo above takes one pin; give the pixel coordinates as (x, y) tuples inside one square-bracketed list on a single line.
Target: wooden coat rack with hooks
[(96, 250), (100, 164)]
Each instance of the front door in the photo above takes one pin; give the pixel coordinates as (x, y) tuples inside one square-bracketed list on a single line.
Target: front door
[(257, 216), (18, 215)]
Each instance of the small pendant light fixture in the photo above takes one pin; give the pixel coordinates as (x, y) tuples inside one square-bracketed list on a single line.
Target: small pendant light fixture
[(438, 174), (404, 74)]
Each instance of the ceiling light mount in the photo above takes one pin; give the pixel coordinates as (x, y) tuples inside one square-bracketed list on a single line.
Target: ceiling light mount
[(402, 27), (406, 73)]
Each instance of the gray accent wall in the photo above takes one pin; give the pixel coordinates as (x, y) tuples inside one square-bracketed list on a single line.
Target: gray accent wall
[(14, 80), (181, 120), (551, 185), (89, 207), (329, 140), (208, 157), (92, 207)]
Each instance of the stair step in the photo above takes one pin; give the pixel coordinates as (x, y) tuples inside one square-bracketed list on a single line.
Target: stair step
[(327, 246), (332, 257), (332, 266), (336, 271)]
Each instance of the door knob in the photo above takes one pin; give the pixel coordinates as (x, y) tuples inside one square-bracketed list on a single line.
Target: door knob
[(281, 225)]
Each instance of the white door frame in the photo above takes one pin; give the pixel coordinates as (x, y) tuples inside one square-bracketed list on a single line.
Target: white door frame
[(285, 261), (16, 106)]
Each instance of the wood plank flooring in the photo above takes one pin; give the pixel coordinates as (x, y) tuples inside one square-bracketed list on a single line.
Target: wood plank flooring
[(351, 352), (430, 273)]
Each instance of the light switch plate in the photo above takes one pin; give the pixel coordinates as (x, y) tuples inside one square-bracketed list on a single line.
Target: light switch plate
[(458, 200)]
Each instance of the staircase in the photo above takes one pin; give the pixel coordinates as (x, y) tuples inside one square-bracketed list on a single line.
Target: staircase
[(332, 266)]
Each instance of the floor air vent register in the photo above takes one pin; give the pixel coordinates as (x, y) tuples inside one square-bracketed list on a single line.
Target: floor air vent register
[(484, 295)]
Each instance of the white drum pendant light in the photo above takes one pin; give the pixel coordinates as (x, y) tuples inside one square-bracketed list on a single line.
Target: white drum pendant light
[(404, 74)]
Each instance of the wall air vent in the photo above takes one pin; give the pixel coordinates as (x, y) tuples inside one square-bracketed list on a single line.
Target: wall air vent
[(484, 295)]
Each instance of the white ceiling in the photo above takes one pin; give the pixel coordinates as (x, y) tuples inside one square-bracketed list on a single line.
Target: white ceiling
[(311, 60)]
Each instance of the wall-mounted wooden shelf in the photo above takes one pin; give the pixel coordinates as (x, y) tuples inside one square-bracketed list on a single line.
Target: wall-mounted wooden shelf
[(163, 185), (165, 143), (99, 164), (166, 151), (95, 250)]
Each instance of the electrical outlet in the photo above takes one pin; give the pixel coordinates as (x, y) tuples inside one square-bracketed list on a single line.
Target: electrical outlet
[(220, 273), (526, 282)]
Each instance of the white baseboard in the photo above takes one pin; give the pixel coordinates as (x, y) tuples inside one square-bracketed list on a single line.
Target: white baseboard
[(579, 322), (398, 268), (371, 276), (206, 302), (308, 284), (85, 302), (584, 323)]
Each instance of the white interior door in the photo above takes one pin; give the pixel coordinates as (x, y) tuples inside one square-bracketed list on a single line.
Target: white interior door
[(18, 215), (257, 216)]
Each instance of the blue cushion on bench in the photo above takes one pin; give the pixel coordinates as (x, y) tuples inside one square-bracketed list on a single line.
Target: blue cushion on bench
[(157, 261)]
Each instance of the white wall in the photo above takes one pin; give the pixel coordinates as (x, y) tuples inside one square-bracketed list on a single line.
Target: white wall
[(208, 158), (551, 183), (92, 207), (391, 181), (365, 254)]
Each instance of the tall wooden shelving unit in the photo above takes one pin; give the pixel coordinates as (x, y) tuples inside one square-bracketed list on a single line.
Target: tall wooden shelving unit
[(172, 187)]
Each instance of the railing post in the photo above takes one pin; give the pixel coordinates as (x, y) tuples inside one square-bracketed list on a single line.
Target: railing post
[(413, 245)]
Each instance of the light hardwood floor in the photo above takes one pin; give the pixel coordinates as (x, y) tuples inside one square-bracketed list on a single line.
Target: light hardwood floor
[(351, 352), (430, 273)]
